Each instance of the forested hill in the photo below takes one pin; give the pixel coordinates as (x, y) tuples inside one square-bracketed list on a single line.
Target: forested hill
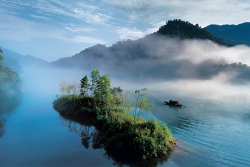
[(186, 30), (235, 34)]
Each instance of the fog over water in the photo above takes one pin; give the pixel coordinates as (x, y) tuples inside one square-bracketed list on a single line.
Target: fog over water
[(210, 129), (189, 68), (192, 68), (198, 69)]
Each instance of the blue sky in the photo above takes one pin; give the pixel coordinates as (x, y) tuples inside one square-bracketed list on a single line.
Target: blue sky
[(52, 29)]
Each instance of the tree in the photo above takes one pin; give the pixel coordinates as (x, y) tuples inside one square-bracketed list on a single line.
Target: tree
[(116, 92), (147, 105), (95, 76), (138, 96), (84, 85), (69, 89), (63, 88), (100, 86), (103, 87), (103, 91), (125, 103), (186, 30), (75, 89)]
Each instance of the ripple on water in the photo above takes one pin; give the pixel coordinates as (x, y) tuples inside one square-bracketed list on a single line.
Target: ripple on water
[(209, 135)]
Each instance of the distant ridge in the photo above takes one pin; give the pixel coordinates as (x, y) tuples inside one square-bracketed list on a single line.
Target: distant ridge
[(131, 50), (160, 55), (16, 61), (186, 30), (235, 34)]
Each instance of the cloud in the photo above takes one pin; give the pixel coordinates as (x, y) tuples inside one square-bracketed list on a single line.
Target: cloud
[(126, 33), (40, 17), (79, 29), (183, 68), (83, 39), (25, 30), (89, 17), (155, 11), (56, 9), (87, 6), (62, 8), (163, 58), (18, 5), (21, 29), (47, 8)]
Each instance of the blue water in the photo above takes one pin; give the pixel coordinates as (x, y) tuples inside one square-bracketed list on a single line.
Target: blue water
[(207, 133)]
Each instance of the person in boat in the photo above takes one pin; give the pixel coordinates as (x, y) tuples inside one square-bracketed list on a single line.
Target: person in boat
[(171, 102)]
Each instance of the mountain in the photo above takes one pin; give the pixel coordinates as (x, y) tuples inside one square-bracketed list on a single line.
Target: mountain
[(168, 54), (129, 50), (186, 30), (178, 50), (33, 61), (235, 34), (16, 61)]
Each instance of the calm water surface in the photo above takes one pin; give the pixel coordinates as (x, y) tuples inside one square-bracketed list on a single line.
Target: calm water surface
[(207, 133)]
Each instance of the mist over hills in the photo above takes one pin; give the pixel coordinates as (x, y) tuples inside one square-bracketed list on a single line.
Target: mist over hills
[(187, 53), (16, 61), (235, 34), (178, 50), (158, 57)]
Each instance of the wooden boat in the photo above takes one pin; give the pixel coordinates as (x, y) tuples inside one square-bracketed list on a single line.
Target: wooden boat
[(178, 105)]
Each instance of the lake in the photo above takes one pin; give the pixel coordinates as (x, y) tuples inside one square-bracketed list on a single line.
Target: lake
[(208, 132)]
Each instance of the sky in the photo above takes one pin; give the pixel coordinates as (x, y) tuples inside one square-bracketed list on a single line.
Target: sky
[(53, 29)]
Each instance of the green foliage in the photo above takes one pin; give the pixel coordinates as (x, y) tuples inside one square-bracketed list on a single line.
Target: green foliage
[(116, 90), (95, 76), (103, 87), (138, 96), (84, 85), (186, 30), (121, 132), (100, 86), (116, 93), (125, 103), (146, 105)]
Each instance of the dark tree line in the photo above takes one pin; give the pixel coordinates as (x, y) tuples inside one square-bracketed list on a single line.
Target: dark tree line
[(186, 30)]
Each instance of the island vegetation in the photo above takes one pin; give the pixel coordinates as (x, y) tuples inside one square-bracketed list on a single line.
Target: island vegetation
[(122, 129)]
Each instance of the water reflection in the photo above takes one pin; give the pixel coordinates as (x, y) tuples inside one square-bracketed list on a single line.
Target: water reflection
[(7, 107), (176, 108), (90, 136), (2, 122)]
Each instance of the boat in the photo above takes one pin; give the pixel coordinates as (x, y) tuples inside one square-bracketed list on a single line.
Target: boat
[(173, 104)]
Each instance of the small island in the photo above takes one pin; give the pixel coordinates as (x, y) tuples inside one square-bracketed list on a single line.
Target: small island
[(123, 133)]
